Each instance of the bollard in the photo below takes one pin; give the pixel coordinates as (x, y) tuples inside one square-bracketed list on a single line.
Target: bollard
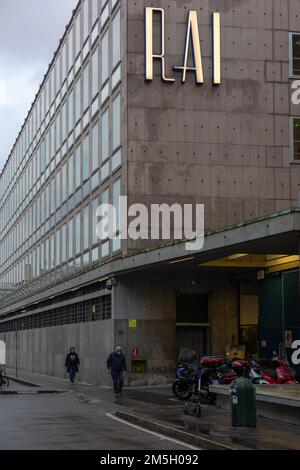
[(243, 403)]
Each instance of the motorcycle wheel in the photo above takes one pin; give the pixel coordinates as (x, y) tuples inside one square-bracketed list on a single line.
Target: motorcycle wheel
[(208, 397), (181, 390)]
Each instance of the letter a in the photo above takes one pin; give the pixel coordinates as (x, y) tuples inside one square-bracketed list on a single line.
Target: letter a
[(192, 32)]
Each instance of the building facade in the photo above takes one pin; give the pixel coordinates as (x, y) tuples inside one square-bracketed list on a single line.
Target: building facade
[(163, 102)]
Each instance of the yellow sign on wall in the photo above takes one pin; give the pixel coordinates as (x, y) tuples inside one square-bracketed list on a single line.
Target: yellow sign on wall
[(132, 323)]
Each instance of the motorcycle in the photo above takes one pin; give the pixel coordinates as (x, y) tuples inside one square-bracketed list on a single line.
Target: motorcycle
[(183, 385), (277, 372)]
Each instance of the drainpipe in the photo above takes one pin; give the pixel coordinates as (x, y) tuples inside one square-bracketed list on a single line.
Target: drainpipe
[(239, 311), (16, 353), (282, 308)]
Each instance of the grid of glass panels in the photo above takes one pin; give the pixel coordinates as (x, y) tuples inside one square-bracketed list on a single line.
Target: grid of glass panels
[(296, 139), (66, 158), (294, 54)]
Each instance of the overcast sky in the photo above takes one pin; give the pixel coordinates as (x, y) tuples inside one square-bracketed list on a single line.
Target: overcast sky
[(30, 31)]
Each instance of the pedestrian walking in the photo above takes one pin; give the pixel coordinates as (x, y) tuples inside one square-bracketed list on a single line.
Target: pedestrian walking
[(116, 364), (72, 364)]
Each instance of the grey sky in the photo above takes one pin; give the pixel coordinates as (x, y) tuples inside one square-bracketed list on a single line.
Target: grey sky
[(30, 31)]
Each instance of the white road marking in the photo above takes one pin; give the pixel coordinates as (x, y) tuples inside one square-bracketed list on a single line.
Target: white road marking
[(159, 436)]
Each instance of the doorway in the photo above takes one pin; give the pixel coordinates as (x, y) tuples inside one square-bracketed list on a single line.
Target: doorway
[(192, 325)]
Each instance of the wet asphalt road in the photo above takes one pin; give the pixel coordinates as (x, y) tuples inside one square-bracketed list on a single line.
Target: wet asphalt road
[(65, 421)]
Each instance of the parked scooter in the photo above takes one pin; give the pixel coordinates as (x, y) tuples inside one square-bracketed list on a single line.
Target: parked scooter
[(277, 371), (254, 373)]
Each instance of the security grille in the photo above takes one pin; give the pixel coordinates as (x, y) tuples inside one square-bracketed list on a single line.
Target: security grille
[(89, 310)]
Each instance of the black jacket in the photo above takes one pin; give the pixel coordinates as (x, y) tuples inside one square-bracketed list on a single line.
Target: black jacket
[(72, 363), (116, 362)]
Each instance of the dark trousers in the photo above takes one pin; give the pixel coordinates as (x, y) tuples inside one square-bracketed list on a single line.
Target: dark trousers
[(117, 378), (72, 373)]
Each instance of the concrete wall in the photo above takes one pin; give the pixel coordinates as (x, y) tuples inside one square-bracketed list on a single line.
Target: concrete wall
[(152, 302), (227, 147), (44, 350)]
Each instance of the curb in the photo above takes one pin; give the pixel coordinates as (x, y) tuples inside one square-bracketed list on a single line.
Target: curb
[(34, 392), (175, 433), (22, 382)]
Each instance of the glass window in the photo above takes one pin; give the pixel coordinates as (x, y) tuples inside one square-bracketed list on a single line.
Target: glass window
[(85, 88), (77, 35), (105, 58), (64, 244), (64, 122), (85, 20), (95, 204), (70, 238), (86, 228), (64, 61), (116, 38), (78, 99), (117, 122), (57, 248), (116, 193), (64, 182), (95, 10), (58, 131), (95, 73), (71, 51), (77, 234), (105, 136), (295, 52), (71, 175), (52, 196), (58, 73), (58, 187), (71, 111), (95, 148), (296, 139), (77, 168), (86, 158)]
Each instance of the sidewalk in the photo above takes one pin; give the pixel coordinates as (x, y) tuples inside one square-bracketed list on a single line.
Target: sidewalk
[(156, 408)]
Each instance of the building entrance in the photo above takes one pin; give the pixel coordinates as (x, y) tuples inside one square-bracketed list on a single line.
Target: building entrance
[(192, 324)]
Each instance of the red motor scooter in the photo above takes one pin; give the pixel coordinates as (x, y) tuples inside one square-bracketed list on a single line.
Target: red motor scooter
[(277, 372)]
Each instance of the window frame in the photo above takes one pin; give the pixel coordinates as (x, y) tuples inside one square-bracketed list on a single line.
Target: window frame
[(291, 57), (292, 146)]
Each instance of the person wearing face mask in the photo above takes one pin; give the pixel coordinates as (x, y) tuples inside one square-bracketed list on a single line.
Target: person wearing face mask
[(116, 364)]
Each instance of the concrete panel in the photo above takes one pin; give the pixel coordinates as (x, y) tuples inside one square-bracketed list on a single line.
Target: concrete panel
[(294, 15), (282, 98), (273, 71), (281, 45), (282, 184), (280, 14)]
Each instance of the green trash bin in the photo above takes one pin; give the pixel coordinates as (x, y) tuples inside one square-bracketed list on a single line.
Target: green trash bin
[(243, 403)]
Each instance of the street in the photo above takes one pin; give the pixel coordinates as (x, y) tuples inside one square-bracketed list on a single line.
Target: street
[(65, 421)]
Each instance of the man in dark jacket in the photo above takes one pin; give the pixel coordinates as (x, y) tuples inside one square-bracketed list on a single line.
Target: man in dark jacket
[(116, 363), (72, 364)]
